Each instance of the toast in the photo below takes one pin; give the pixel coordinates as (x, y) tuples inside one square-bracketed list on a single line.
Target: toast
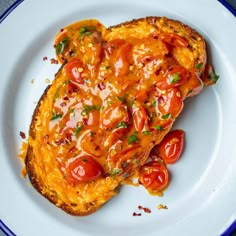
[(116, 96)]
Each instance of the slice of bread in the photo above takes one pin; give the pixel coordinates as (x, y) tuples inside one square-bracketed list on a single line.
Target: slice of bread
[(108, 103)]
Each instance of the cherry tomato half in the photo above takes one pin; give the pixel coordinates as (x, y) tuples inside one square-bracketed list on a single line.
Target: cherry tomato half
[(115, 116), (154, 176), (83, 169), (170, 103), (74, 69), (173, 77), (171, 147), (140, 118)]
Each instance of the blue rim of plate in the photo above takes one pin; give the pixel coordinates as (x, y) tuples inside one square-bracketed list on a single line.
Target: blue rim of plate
[(5, 229), (229, 6), (9, 10), (230, 231)]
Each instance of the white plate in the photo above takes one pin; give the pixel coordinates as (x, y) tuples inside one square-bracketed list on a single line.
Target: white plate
[(201, 198)]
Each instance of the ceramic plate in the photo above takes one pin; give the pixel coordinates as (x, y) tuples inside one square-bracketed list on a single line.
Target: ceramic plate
[(201, 198)]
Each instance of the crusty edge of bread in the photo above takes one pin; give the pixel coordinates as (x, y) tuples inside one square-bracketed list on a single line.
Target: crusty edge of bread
[(164, 24)]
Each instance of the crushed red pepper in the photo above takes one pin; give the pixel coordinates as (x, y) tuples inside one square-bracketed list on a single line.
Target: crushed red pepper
[(145, 209), (54, 61), (22, 134)]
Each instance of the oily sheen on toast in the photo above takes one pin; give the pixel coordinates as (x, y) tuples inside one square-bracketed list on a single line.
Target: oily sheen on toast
[(115, 97)]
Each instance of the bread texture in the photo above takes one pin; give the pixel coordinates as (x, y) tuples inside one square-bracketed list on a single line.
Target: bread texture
[(73, 117)]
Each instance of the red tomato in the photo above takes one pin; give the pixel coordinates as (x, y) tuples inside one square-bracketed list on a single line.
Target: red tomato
[(140, 119), (193, 86), (74, 69), (114, 115), (141, 95), (83, 169), (154, 176), (171, 147), (115, 135), (173, 77), (170, 103), (91, 142), (173, 39), (123, 60)]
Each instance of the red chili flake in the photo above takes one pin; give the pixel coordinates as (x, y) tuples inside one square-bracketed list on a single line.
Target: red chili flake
[(66, 98), (61, 30), (137, 214), (85, 121), (72, 88), (63, 104), (22, 134), (145, 209), (45, 58), (54, 61), (101, 86), (73, 149)]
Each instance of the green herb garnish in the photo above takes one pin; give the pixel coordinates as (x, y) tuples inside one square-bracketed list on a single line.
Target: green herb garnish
[(115, 172), (78, 129), (213, 76), (87, 109), (62, 45), (199, 66), (56, 116), (86, 30), (56, 95), (166, 116), (174, 78), (121, 124), (157, 127), (146, 132), (121, 98), (132, 138)]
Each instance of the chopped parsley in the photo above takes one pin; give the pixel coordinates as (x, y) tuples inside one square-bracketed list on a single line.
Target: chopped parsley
[(56, 116), (115, 172), (174, 78), (62, 45), (213, 76), (157, 127), (56, 95), (132, 138), (89, 108), (86, 30), (166, 116), (199, 66), (146, 132), (78, 128), (121, 124)]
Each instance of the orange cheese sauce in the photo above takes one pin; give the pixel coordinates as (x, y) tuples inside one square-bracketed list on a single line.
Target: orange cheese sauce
[(113, 100)]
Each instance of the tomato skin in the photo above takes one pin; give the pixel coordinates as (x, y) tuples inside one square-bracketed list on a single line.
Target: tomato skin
[(171, 147), (193, 86), (123, 60), (140, 119), (83, 169), (170, 102), (154, 176), (173, 77), (72, 70), (113, 115), (173, 39)]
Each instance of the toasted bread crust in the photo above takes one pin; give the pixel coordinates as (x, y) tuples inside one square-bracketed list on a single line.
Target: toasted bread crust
[(161, 24)]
